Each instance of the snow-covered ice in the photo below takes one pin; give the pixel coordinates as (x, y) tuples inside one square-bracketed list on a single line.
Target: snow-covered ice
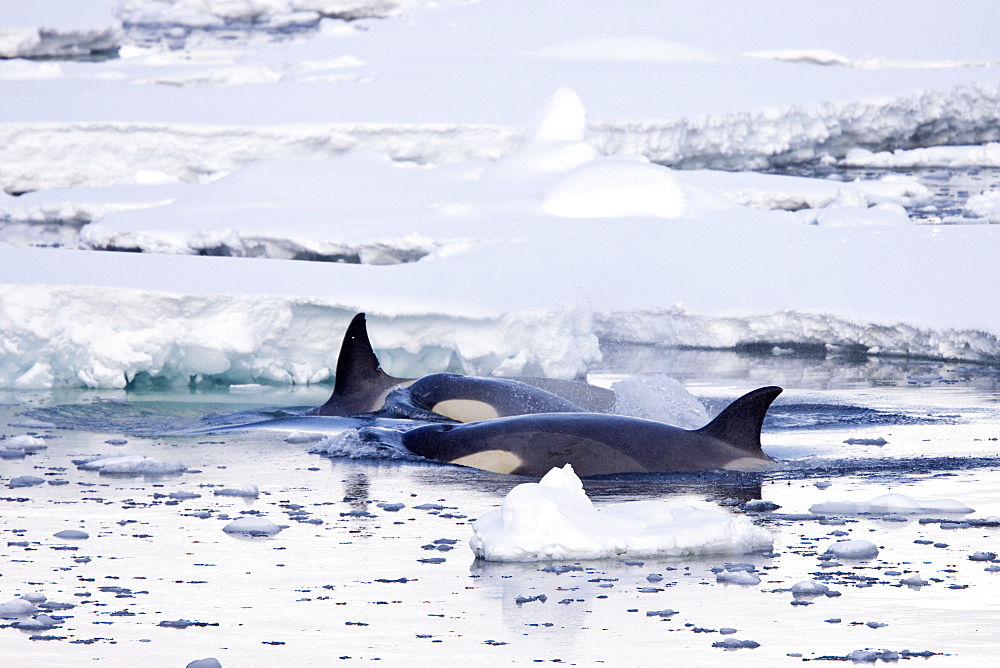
[(893, 502), (853, 549), (554, 520)]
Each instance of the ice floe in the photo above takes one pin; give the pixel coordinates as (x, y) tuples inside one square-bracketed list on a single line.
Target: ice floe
[(554, 519), (893, 503)]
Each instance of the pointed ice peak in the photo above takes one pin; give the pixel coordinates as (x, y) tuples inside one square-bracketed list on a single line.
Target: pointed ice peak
[(562, 117), (564, 478)]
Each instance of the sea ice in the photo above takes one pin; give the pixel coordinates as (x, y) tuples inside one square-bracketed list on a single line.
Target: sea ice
[(554, 519), (853, 549), (19, 607), (893, 503), (130, 465), (259, 526), (247, 491)]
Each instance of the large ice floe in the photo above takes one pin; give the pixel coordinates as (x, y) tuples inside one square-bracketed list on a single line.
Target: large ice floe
[(554, 519), (477, 243)]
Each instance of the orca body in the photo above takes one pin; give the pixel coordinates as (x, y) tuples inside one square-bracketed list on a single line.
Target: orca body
[(362, 387), (470, 398), (600, 444)]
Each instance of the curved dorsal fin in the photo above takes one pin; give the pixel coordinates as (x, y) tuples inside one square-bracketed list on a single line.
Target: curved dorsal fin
[(740, 422), (360, 381)]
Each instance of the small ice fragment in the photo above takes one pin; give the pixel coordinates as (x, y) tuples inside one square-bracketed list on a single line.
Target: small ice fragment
[(661, 613), (75, 534), (759, 506), (248, 388), (247, 491), (26, 443), (654, 577), (733, 643), (304, 437), (24, 481), (37, 623), (863, 656), (809, 588), (853, 549), (529, 599), (822, 484), (866, 441), (116, 441), (983, 556), (258, 526), (738, 577), (889, 503), (205, 663), (182, 495), (913, 581), (36, 597), (19, 607), (727, 630), (875, 625), (130, 465), (390, 507)]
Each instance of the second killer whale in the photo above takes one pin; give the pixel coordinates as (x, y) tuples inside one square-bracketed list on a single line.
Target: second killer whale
[(362, 387), (601, 444)]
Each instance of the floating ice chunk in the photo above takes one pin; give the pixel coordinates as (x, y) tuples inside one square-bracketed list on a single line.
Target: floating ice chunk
[(25, 481), (617, 187), (35, 597), (26, 443), (205, 663), (37, 623), (554, 520), (258, 526), (913, 581), (733, 643), (130, 465), (72, 534), (304, 437), (983, 556), (809, 588), (19, 607), (738, 577), (866, 441), (853, 549), (247, 491), (889, 503)]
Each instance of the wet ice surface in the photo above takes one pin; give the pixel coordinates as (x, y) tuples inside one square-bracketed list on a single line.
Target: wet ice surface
[(372, 560)]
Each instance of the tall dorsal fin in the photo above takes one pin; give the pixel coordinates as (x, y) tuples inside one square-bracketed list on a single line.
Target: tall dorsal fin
[(360, 380), (739, 424)]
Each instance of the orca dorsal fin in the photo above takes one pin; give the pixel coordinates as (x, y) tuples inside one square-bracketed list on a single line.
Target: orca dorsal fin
[(359, 379), (740, 422)]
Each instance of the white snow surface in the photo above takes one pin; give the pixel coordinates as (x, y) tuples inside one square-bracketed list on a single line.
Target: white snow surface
[(893, 502), (554, 519), (398, 149)]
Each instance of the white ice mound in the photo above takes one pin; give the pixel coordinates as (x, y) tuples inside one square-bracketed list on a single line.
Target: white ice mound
[(131, 464), (554, 519), (617, 187), (254, 526), (889, 503), (853, 549)]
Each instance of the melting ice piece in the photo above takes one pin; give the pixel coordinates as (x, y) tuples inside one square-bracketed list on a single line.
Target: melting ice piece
[(130, 464), (889, 503), (554, 519), (19, 607), (247, 491), (255, 526), (853, 549)]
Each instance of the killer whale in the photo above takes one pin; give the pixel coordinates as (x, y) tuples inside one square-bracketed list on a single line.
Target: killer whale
[(599, 444), (362, 387), (360, 384)]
